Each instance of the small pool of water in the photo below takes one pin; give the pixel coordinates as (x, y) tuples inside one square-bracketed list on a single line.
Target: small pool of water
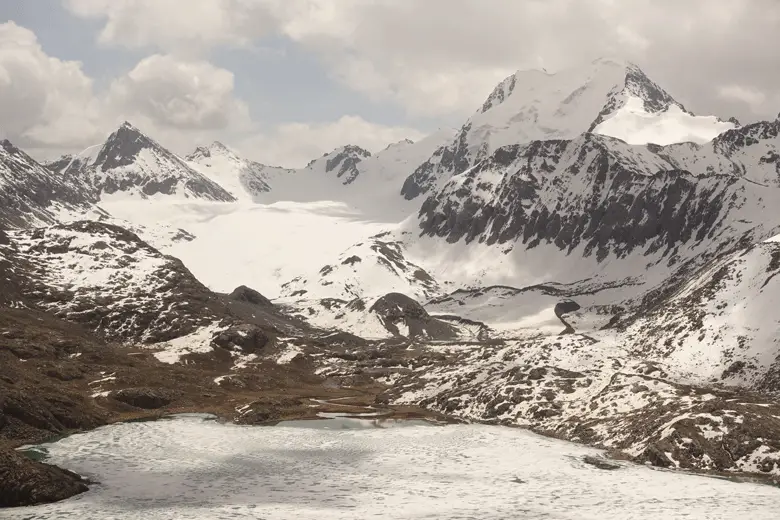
[(192, 467)]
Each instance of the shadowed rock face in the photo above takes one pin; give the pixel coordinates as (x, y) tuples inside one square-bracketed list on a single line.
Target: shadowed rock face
[(395, 309), (24, 482), (145, 398), (248, 339), (245, 294), (28, 190), (346, 163), (565, 308), (120, 166), (580, 193)]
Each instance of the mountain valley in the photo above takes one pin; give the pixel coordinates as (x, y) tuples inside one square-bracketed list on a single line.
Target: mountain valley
[(584, 258)]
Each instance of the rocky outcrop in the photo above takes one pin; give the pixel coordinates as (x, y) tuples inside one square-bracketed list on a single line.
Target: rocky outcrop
[(244, 338), (24, 482), (29, 191), (247, 295), (131, 162), (146, 398), (396, 310)]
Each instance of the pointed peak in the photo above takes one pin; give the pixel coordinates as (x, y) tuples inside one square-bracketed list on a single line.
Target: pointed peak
[(215, 148), (399, 144), (352, 149), (128, 126)]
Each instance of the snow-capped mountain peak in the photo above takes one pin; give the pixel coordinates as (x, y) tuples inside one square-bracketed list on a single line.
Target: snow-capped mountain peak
[(203, 153), (343, 160), (243, 178), (607, 97), (30, 194), (131, 163)]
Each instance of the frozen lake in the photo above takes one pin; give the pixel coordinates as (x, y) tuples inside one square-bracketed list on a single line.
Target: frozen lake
[(193, 468)]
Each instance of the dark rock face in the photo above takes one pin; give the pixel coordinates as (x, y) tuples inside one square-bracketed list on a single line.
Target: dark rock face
[(620, 209), (249, 339), (500, 93), (117, 169), (122, 148), (346, 162), (4, 240), (451, 159), (565, 308), (245, 294), (146, 398), (24, 482), (395, 308), (27, 190)]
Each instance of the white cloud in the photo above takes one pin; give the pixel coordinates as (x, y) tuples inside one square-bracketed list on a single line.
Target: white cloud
[(44, 102), (439, 56), (443, 57), (188, 95), (184, 27), (751, 97), (295, 144), (48, 106)]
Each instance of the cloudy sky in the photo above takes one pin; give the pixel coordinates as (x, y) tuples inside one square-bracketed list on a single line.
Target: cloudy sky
[(284, 81)]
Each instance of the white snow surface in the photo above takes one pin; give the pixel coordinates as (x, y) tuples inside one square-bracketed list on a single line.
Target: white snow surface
[(261, 246), (189, 468), (199, 342), (244, 179), (634, 125), (536, 105)]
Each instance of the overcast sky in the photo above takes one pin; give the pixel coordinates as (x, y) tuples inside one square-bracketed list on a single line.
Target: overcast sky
[(284, 81)]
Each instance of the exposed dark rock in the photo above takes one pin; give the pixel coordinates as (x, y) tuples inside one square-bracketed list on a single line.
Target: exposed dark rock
[(352, 260), (394, 309), (249, 339), (245, 294), (346, 161), (24, 482), (117, 161), (600, 463), (655, 456), (146, 398), (565, 308), (28, 189)]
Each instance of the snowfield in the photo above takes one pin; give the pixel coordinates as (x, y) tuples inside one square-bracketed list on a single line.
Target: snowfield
[(261, 246)]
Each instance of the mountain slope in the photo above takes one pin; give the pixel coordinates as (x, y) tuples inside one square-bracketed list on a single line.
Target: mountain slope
[(244, 179), (722, 323), (30, 194), (132, 164), (607, 97)]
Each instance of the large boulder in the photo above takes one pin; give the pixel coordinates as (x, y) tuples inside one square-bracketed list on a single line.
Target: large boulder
[(246, 338), (24, 482), (146, 398), (396, 309), (248, 295)]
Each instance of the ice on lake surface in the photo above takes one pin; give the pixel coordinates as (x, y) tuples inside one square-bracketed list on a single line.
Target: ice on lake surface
[(192, 468)]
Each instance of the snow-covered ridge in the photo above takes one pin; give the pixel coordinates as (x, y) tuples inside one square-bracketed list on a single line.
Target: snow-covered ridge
[(245, 180), (133, 164), (606, 97), (30, 194)]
